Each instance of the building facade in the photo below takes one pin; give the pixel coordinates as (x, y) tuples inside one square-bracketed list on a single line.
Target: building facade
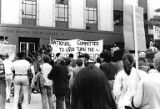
[(29, 24)]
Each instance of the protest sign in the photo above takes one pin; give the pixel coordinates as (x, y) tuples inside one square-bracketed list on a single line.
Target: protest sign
[(156, 32), (77, 46), (8, 49), (128, 28)]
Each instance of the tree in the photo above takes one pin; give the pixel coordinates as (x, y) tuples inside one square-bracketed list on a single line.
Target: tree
[(155, 20)]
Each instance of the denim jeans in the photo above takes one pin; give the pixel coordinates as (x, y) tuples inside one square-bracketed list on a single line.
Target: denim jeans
[(2, 94), (21, 83), (46, 94)]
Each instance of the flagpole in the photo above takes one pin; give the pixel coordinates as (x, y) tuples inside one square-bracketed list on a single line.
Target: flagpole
[(50, 40), (135, 36)]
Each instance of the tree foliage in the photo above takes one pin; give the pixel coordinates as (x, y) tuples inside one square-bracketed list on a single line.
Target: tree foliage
[(155, 20)]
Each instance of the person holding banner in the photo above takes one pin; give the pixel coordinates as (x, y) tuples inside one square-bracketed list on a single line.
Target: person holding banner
[(126, 81), (147, 96)]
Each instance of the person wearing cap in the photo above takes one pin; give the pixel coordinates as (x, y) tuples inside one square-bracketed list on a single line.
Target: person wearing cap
[(147, 96), (2, 84)]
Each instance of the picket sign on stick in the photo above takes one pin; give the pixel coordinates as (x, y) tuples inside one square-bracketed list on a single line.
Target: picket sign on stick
[(135, 37)]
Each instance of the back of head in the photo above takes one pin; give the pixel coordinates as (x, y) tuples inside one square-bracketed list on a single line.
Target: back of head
[(128, 62), (20, 55), (157, 61), (142, 55), (86, 56), (118, 55), (71, 55), (91, 90), (106, 55), (58, 54), (67, 61), (79, 62), (98, 60), (46, 58), (61, 61)]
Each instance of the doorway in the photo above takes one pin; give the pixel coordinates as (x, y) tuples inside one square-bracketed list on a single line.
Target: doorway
[(28, 45)]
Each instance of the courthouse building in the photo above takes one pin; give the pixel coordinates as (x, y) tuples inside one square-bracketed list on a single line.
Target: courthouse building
[(32, 23)]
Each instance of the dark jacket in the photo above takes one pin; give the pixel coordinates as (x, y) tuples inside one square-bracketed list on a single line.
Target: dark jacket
[(110, 69), (59, 76)]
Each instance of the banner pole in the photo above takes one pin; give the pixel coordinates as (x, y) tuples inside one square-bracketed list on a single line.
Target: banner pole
[(135, 36), (50, 40)]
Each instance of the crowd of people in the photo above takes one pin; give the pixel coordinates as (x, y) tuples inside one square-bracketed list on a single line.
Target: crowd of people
[(110, 82)]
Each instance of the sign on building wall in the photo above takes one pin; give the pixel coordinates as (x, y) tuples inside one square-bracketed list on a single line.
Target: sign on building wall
[(77, 46), (156, 32)]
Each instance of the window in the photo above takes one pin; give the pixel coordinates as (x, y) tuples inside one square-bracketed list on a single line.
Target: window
[(3, 40), (61, 11), (118, 17), (91, 15), (29, 11)]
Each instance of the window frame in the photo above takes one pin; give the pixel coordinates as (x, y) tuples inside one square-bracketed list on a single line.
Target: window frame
[(118, 17), (64, 15), (31, 3), (91, 19)]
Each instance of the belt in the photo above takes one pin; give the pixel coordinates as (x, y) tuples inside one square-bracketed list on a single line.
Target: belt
[(9, 74), (20, 74)]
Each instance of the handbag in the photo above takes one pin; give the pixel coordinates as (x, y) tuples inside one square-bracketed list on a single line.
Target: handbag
[(39, 80), (30, 74)]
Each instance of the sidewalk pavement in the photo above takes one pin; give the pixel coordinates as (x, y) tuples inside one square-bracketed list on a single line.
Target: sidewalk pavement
[(35, 102)]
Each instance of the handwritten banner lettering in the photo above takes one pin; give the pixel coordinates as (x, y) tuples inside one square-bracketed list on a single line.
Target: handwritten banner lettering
[(77, 46)]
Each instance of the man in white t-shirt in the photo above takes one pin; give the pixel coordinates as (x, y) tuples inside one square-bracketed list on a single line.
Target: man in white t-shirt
[(46, 90), (21, 81), (8, 75)]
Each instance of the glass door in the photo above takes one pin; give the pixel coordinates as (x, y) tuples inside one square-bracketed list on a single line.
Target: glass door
[(27, 46)]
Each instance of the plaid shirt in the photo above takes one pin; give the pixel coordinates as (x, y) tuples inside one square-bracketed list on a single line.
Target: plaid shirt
[(2, 72)]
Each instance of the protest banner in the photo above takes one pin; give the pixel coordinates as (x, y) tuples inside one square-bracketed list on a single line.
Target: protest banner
[(76, 47), (8, 49), (156, 32), (128, 28)]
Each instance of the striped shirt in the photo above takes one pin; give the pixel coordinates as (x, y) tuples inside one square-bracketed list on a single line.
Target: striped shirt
[(2, 72)]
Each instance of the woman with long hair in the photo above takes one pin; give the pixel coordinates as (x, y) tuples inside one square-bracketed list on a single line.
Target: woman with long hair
[(127, 81), (91, 90)]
